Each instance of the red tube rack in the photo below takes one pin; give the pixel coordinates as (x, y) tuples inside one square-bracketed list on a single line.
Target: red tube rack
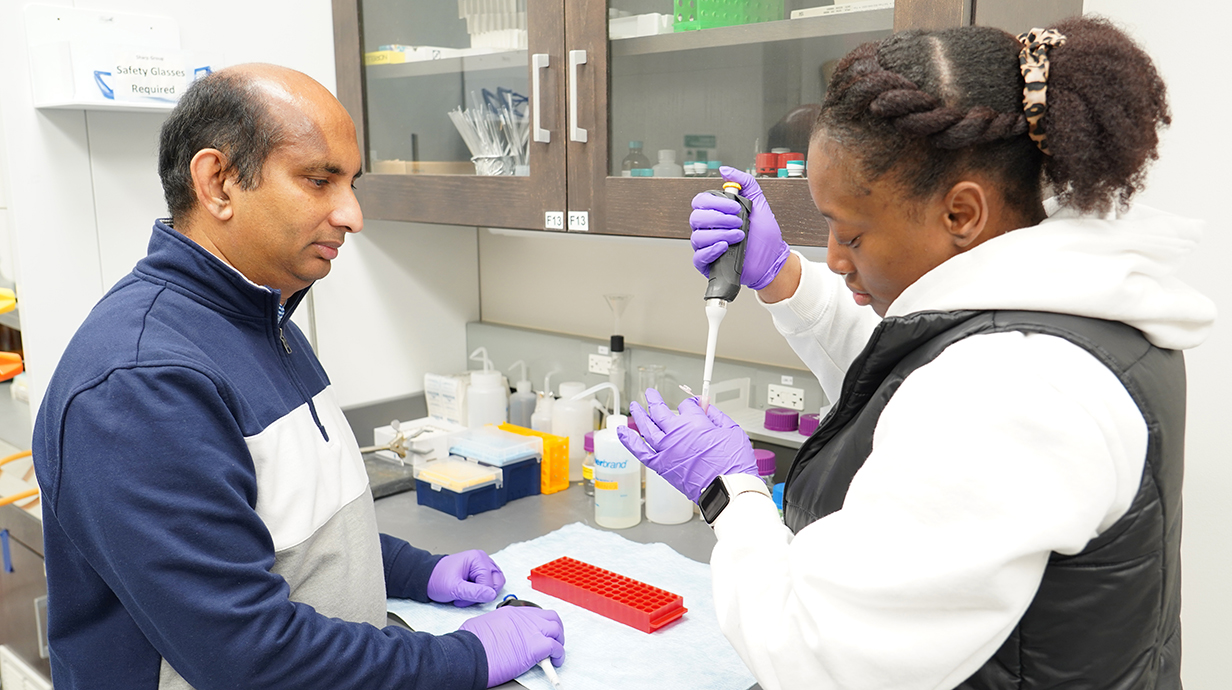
[(608, 594)]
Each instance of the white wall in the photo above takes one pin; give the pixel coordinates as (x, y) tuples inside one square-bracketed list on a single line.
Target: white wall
[(84, 192), (1188, 45)]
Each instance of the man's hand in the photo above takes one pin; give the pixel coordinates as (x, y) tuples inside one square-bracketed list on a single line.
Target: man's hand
[(465, 578), (516, 638)]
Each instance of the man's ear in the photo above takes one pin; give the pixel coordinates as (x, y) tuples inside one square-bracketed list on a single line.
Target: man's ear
[(209, 181), (966, 208)]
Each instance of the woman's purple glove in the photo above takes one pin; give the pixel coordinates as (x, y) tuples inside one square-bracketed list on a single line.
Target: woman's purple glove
[(716, 225), (516, 638), (465, 578), (688, 450)]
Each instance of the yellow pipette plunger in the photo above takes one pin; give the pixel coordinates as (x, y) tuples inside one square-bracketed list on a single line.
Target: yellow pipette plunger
[(724, 284)]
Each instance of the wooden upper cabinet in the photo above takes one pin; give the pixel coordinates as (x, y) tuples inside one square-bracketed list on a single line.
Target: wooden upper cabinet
[(604, 75)]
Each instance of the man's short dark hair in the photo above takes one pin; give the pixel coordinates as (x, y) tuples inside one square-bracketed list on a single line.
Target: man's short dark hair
[(223, 111)]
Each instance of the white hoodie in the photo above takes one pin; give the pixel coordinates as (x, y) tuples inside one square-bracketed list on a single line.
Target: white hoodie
[(1005, 448)]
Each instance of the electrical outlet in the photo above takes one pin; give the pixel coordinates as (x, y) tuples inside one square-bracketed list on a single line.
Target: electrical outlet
[(599, 364), (785, 396)]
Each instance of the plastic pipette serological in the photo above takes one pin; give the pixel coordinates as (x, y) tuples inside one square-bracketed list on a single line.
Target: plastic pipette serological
[(724, 284)]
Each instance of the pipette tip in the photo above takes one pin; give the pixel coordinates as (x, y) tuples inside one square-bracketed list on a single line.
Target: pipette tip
[(546, 665)]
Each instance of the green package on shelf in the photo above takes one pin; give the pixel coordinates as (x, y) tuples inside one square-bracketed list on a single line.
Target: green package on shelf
[(711, 14)]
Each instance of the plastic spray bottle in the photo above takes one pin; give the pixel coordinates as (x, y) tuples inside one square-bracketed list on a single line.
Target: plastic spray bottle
[(487, 398), (573, 416), (541, 420), (618, 475), (522, 403)]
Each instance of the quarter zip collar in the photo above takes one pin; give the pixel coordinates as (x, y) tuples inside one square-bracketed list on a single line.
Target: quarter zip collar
[(176, 260)]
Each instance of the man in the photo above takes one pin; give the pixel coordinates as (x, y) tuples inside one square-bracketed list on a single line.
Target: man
[(208, 521)]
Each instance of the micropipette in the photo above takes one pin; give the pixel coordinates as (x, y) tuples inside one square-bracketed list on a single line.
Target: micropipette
[(724, 284)]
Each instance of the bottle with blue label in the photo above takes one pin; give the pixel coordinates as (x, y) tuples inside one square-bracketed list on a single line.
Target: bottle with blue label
[(618, 479), (636, 164)]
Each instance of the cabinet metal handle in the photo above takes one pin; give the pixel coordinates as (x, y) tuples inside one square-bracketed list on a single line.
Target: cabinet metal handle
[(40, 627), (538, 61), (576, 57)]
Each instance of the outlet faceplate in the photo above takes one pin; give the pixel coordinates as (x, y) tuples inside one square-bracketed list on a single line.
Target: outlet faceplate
[(785, 396), (599, 364)]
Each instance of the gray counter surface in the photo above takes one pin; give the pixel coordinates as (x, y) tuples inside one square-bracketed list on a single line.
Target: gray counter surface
[(526, 518)]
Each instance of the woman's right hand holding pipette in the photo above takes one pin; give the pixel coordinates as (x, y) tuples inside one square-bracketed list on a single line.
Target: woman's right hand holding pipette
[(716, 226)]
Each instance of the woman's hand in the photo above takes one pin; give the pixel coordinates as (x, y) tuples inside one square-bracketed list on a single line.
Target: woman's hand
[(716, 226), (690, 449)]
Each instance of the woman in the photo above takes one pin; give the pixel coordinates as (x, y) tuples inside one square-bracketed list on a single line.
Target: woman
[(994, 500)]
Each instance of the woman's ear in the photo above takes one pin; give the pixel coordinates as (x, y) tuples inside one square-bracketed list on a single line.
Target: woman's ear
[(209, 179), (966, 208)]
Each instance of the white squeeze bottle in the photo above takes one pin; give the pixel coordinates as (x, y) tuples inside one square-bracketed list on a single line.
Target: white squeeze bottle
[(573, 418), (522, 403), (541, 420), (618, 475), (486, 398)]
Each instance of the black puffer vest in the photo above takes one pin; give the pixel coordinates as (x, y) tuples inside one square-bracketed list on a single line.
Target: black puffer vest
[(1107, 618)]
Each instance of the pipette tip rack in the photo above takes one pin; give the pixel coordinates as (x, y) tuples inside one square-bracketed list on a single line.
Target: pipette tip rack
[(608, 594)]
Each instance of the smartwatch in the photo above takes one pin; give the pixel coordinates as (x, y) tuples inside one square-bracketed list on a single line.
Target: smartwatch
[(723, 489)]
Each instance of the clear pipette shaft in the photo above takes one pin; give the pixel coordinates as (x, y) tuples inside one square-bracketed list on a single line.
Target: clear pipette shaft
[(716, 309)]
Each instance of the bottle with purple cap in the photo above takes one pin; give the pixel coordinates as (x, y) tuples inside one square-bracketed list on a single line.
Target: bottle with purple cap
[(765, 466)]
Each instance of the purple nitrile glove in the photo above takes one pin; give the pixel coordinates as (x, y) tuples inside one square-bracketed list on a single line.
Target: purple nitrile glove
[(516, 638), (716, 226), (690, 449), (465, 578)]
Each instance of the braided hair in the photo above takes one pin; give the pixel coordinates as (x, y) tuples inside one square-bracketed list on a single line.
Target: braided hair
[(926, 108)]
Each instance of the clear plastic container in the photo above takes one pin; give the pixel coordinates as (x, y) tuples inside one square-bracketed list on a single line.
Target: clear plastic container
[(588, 465), (618, 479), (459, 475), (492, 446), (667, 165)]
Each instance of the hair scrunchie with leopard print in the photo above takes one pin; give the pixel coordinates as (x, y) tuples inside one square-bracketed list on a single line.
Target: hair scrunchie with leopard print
[(1033, 60)]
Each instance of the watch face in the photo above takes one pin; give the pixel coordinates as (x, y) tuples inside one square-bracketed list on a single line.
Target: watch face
[(713, 500)]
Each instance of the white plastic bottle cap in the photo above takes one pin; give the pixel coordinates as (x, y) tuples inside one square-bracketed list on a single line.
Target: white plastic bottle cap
[(667, 155)]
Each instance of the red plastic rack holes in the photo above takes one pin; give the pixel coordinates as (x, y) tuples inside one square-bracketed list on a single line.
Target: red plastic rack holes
[(608, 594)]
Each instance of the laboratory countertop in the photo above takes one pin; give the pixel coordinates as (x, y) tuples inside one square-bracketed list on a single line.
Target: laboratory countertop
[(401, 516)]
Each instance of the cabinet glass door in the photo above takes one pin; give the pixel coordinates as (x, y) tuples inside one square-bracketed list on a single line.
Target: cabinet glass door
[(458, 102), (448, 87), (698, 83)]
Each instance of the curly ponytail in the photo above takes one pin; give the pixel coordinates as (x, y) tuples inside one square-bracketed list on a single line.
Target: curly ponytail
[(1106, 104), (929, 107)]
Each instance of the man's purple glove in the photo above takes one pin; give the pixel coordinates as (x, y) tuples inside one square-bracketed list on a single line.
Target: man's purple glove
[(516, 638), (688, 450), (465, 578), (716, 226)]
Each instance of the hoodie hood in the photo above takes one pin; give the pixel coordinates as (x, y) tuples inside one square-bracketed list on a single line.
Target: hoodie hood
[(1119, 268)]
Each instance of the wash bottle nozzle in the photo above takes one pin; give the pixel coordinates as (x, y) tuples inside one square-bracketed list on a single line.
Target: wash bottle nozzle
[(481, 355)]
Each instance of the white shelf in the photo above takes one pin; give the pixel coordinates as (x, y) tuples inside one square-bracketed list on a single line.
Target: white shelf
[(763, 32), (115, 107), (454, 65)]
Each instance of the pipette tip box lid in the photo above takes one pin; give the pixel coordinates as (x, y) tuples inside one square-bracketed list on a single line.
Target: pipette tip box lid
[(492, 446), (608, 594), (459, 487)]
